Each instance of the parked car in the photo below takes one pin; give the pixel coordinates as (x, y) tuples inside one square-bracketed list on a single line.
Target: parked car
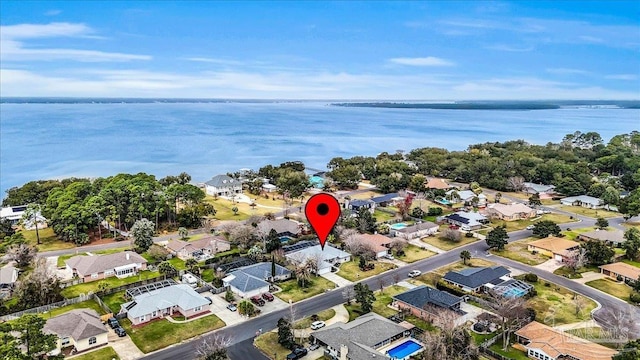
[(113, 323), (209, 300), (414, 273), (120, 331), (530, 227), (232, 307), (317, 325), (267, 296), (297, 354), (388, 256), (313, 347), (257, 300)]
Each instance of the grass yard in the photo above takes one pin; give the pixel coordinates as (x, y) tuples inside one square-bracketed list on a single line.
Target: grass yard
[(522, 224), (159, 334), (48, 240), (350, 270), (89, 304), (594, 334), (458, 265), (113, 301), (63, 258), (511, 353), (590, 212), (445, 244), (554, 305), (631, 225), (611, 287), (291, 290), (382, 216), (380, 305), (632, 263), (480, 338), (268, 344), (105, 353), (413, 253), (85, 288), (223, 209), (517, 251), (207, 275), (177, 263), (323, 315), (573, 233)]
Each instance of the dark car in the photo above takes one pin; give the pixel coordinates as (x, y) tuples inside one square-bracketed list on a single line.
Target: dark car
[(257, 300), (297, 354), (120, 331), (113, 323), (209, 300), (267, 296)]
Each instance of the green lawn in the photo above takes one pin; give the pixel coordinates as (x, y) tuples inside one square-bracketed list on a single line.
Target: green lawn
[(568, 273), (573, 233), (611, 287), (223, 209), (511, 353), (89, 304), (268, 344), (159, 334), (594, 333), (178, 263), (554, 305), (632, 263), (105, 353), (522, 224), (382, 216), (445, 244), (85, 288), (413, 253), (480, 338), (48, 240), (291, 290), (207, 275), (113, 301), (590, 212), (322, 316), (459, 265), (517, 251), (350, 270), (63, 258)]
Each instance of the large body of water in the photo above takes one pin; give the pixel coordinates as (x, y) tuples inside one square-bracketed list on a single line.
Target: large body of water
[(44, 141)]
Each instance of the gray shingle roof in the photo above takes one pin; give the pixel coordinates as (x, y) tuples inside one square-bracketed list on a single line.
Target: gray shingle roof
[(475, 277), (384, 198), (77, 324), (181, 295), (282, 226), (616, 236), (221, 181), (86, 265), (360, 335), (263, 270), (359, 203), (586, 199), (244, 282), (417, 227), (423, 295)]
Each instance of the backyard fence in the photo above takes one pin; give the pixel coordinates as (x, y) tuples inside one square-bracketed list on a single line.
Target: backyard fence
[(45, 308)]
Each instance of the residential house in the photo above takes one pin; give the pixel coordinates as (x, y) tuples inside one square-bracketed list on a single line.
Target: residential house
[(437, 184), (466, 220), (479, 280), (357, 204), (426, 302), (510, 212), (248, 281), (540, 189), (626, 271), (8, 278), (14, 215), (364, 338), (223, 185), (81, 329), (546, 343), (466, 197), (155, 304), (614, 237), (418, 230), (585, 201), (269, 188), (96, 267), (327, 259), (553, 247), (380, 243), (283, 227), (200, 249), (387, 199)]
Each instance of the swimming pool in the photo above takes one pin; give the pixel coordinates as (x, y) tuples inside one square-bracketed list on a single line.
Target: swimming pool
[(444, 201), (404, 350), (285, 239), (398, 226), (514, 292), (317, 181)]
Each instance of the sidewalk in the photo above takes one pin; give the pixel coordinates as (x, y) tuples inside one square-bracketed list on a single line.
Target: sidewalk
[(423, 245), (338, 280), (589, 276)]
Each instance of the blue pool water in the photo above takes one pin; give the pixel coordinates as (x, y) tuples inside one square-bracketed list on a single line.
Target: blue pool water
[(444, 201), (404, 350), (514, 292), (317, 182), (398, 226), (284, 239)]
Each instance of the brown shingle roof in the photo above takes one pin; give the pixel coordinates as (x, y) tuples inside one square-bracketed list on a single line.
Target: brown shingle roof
[(437, 183), (86, 265), (554, 244), (511, 209), (616, 236), (626, 270), (378, 241), (78, 324), (555, 343)]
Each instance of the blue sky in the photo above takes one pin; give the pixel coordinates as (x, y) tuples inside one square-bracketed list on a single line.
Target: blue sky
[(436, 50)]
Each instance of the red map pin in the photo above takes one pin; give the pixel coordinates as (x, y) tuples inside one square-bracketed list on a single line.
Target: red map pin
[(322, 211)]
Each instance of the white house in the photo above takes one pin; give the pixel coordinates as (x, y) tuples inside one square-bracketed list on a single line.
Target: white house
[(585, 201), (175, 299), (418, 230), (79, 328), (466, 197), (8, 277), (14, 215), (533, 188), (223, 185), (327, 258)]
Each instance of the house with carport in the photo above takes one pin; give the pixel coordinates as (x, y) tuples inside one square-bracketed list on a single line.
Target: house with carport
[(97, 267), (81, 329), (628, 273), (553, 247)]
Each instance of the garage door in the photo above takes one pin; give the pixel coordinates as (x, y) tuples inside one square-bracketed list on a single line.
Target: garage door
[(558, 257)]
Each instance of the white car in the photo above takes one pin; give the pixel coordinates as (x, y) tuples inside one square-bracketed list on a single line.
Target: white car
[(530, 227), (317, 325), (388, 256), (414, 273)]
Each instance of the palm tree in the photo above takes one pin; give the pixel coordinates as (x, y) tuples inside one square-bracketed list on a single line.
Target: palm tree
[(465, 255)]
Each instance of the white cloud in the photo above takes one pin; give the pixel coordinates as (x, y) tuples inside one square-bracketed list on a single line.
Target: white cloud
[(566, 71), (18, 44), (622, 77), (422, 61)]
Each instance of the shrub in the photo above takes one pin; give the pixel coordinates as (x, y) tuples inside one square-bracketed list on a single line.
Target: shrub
[(469, 234), (532, 278), (547, 284), (619, 278), (635, 298), (434, 211)]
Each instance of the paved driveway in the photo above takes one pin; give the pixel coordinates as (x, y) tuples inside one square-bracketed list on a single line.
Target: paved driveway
[(125, 348), (338, 280), (550, 265), (589, 276), (219, 308)]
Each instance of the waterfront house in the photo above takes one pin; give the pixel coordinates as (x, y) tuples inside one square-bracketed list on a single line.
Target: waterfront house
[(81, 329), (155, 304), (97, 267), (223, 185)]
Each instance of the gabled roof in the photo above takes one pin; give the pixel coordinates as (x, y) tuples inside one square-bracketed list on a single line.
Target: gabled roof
[(476, 277), (556, 343), (329, 253), (586, 199), (555, 244), (511, 209), (616, 236), (263, 270), (539, 188), (221, 181), (86, 265), (208, 242), (8, 275), (465, 217), (181, 295), (385, 198), (624, 269), (359, 203), (281, 226), (377, 240), (417, 227), (424, 295), (360, 335), (78, 324), (437, 183)]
